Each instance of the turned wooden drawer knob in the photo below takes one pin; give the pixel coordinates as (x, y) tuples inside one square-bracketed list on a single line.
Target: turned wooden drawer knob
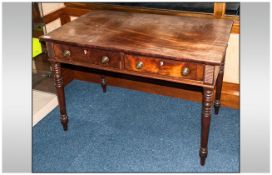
[(139, 65), (105, 60), (66, 53), (185, 71)]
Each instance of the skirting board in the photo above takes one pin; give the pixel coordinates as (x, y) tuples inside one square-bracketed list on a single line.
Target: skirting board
[(43, 103)]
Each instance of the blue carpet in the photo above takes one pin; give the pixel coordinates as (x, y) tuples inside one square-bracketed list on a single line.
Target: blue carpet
[(131, 131)]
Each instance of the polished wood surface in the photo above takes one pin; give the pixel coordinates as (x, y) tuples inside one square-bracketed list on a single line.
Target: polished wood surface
[(87, 56), (179, 38), (80, 8), (165, 67), (184, 50)]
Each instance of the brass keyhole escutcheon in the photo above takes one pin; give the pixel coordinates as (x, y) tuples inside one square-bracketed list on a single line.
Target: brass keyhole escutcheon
[(185, 71), (66, 53), (105, 60), (139, 65)]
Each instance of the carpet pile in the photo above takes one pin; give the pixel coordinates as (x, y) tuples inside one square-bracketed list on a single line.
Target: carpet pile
[(131, 131)]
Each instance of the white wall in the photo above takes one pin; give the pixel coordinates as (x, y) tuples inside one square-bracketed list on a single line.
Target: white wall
[(49, 8), (231, 73)]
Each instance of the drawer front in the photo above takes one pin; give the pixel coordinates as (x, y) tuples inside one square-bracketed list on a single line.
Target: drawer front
[(87, 56), (70, 53), (168, 68), (105, 58)]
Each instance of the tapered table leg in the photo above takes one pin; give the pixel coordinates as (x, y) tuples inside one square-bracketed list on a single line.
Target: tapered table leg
[(60, 93), (205, 123), (219, 83)]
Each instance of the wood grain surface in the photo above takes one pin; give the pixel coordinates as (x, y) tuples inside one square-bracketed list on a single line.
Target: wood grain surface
[(174, 37), (164, 67)]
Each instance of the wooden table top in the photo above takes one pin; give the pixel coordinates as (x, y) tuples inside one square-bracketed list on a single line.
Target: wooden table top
[(174, 37)]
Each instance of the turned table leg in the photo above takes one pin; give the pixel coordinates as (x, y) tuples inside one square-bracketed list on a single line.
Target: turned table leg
[(104, 84), (205, 123), (60, 93), (219, 83)]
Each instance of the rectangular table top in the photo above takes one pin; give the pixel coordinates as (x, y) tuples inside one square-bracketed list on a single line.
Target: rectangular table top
[(174, 37)]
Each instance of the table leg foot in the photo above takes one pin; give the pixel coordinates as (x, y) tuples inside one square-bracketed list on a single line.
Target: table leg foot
[(104, 84), (203, 155), (216, 106), (64, 121)]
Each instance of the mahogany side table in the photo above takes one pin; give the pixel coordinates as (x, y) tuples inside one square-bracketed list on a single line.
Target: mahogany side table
[(178, 49)]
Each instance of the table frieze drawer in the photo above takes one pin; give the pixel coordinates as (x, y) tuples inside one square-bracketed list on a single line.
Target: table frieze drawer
[(105, 58), (70, 53), (175, 69), (87, 56)]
